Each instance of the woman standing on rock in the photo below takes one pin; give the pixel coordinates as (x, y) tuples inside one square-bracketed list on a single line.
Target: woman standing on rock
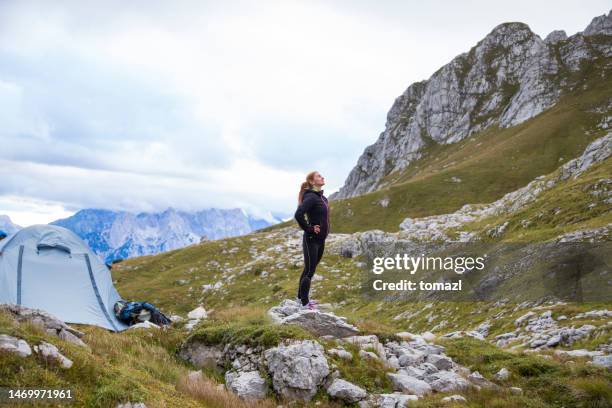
[(312, 215)]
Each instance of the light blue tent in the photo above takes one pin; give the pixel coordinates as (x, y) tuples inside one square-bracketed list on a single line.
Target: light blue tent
[(50, 268)]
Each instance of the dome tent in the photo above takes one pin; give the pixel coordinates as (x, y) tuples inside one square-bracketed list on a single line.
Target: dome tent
[(50, 268)]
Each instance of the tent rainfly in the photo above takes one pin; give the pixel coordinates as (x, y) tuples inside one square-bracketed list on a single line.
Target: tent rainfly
[(50, 268)]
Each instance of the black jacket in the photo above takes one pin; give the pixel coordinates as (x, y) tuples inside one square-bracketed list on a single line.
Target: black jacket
[(316, 208)]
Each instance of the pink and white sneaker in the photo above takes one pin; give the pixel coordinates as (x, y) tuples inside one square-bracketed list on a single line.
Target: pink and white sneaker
[(312, 305)]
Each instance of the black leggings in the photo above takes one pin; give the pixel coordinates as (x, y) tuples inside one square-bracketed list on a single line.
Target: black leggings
[(313, 251)]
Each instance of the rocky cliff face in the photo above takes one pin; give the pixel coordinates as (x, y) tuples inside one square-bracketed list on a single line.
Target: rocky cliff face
[(509, 77)]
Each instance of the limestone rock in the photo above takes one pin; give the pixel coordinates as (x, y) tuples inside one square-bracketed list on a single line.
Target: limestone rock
[(502, 375), (346, 391), (297, 369), (315, 321), (15, 345), (50, 352), (603, 361), (555, 36), (46, 321), (408, 384), (447, 381), (600, 25), (249, 385), (197, 313)]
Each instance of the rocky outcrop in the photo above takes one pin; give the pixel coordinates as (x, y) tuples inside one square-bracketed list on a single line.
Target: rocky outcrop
[(600, 25), (315, 321), (50, 353), (49, 323), (346, 391), (14, 345), (510, 76), (541, 331), (297, 369)]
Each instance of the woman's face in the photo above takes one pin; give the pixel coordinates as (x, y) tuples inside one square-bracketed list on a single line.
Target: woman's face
[(318, 180)]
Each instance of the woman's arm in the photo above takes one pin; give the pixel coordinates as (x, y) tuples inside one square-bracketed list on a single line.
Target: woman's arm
[(301, 212)]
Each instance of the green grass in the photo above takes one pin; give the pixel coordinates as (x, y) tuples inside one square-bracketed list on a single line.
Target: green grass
[(545, 382), (133, 366)]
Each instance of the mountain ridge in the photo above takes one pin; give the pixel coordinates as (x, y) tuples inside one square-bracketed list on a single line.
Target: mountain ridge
[(508, 77)]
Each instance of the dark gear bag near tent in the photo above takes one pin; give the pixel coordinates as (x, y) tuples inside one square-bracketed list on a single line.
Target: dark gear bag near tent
[(50, 268), (136, 312)]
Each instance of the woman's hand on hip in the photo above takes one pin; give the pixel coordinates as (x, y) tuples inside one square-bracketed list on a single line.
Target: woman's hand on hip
[(316, 228)]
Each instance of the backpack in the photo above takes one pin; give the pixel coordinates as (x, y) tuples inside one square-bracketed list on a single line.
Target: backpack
[(129, 313)]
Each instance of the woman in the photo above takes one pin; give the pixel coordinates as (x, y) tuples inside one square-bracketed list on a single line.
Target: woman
[(312, 215)]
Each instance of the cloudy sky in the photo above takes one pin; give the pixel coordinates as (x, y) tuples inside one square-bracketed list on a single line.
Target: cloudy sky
[(142, 105)]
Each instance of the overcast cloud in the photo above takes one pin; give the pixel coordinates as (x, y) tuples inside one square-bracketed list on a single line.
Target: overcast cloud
[(142, 105)]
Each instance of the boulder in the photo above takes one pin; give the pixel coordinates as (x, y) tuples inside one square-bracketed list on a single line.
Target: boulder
[(15, 345), (446, 381), (603, 361), (201, 355), (315, 321), (197, 313), (131, 405), (297, 369), (248, 385), (441, 362), (502, 375), (51, 353), (346, 391), (411, 385)]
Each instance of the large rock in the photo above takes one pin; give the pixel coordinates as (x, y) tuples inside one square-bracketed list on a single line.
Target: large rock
[(447, 381), (346, 391), (316, 322), (603, 361), (46, 321), (395, 400), (200, 354), (197, 313), (297, 369), (50, 352), (249, 385), (408, 384), (15, 345)]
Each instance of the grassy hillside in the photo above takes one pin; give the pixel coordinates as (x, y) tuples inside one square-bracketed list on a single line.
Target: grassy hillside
[(485, 166)]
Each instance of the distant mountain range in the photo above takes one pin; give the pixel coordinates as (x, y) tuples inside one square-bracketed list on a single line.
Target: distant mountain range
[(119, 234)]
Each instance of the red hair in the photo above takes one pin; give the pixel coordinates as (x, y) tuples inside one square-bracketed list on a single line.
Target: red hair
[(306, 185)]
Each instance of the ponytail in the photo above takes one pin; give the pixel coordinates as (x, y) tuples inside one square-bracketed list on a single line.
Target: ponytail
[(306, 185)]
